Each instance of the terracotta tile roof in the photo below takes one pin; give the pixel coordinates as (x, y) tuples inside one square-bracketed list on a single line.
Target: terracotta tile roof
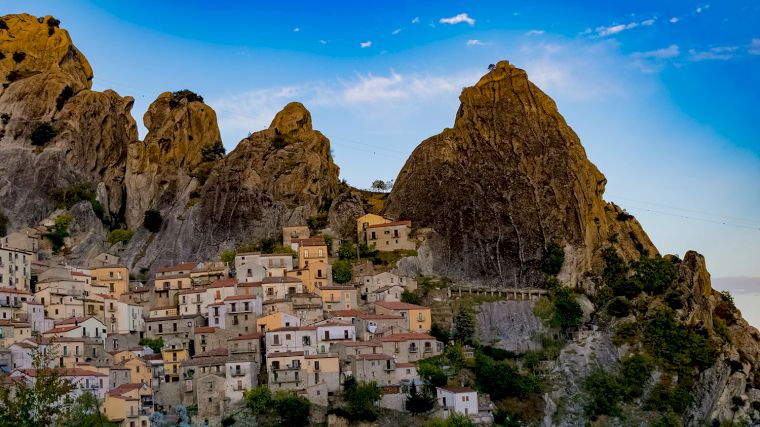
[(328, 324), (198, 290), (409, 336), (249, 284), (344, 313), (398, 305), (223, 283), (312, 241), (294, 328), (457, 389), (155, 356), (405, 365), (178, 267), (286, 279), (240, 297), (371, 343), (204, 329), (372, 357), (375, 316), (391, 224), (60, 329), (252, 336), (13, 291), (163, 307), (338, 288), (285, 354)]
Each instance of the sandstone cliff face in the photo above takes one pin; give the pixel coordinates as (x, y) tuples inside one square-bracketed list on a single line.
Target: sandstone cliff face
[(47, 80), (507, 179), (159, 169), (276, 177)]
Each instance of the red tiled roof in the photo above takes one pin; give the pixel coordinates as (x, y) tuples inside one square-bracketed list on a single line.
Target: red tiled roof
[(13, 291), (163, 307), (204, 329), (338, 288), (223, 283), (458, 389), (239, 297), (252, 336), (198, 290), (344, 313), (408, 336), (60, 329), (375, 316), (398, 305), (249, 284), (312, 241), (178, 267), (286, 279), (372, 357), (285, 354), (391, 224), (333, 324), (72, 320), (124, 388), (295, 328)]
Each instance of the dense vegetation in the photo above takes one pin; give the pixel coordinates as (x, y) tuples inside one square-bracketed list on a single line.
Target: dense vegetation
[(59, 232), (120, 235), (67, 197), (152, 220), (155, 344), (42, 133), (287, 407)]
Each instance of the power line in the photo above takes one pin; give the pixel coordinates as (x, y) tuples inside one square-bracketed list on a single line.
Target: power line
[(755, 228), (753, 221)]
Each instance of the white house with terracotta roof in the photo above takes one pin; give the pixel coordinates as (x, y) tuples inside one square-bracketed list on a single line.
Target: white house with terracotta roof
[(78, 327), (418, 317), (464, 401), (292, 338)]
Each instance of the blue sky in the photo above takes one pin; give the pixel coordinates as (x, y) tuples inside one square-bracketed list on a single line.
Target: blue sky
[(662, 94)]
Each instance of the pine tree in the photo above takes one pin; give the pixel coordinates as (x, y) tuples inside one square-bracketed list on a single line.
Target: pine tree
[(419, 402)]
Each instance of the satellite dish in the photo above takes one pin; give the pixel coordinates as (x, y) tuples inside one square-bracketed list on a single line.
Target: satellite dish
[(372, 328)]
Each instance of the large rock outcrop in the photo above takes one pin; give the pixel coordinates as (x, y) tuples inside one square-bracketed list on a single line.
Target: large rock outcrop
[(507, 179), (279, 176), (47, 81)]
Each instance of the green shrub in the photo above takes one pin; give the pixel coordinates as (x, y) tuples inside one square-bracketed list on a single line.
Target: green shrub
[(293, 409), (411, 297), (155, 344), (464, 325), (341, 271), (202, 172), (347, 251), (419, 402), (502, 380), (120, 235), (213, 151), (152, 220), (52, 22), (179, 95), (623, 215), (42, 133), (604, 393), (59, 232), (440, 333), (635, 372), (627, 332), (258, 400), (65, 95), (725, 308), (677, 346), (567, 311), (228, 257), (317, 222), (665, 397), (554, 257), (361, 398), (66, 197), (656, 275), (430, 371), (3, 224), (619, 307)]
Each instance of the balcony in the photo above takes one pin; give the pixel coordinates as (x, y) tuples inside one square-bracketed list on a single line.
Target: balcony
[(412, 349), (243, 350), (237, 374), (286, 368)]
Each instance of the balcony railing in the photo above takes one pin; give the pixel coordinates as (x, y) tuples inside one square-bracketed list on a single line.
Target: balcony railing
[(237, 374)]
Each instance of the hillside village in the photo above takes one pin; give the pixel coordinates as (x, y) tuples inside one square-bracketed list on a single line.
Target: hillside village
[(200, 334)]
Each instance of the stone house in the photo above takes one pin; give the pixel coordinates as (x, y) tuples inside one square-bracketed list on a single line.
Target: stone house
[(241, 375), (298, 232), (390, 236), (410, 347), (364, 221), (292, 339), (129, 405), (338, 297), (371, 325), (418, 317)]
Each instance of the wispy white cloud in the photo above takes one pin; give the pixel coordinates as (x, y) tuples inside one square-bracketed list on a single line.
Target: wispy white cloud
[(648, 22), (416, 20), (323, 41), (673, 20), (366, 44), (396, 31), (534, 33), (615, 29), (720, 53), (474, 42), (296, 30), (255, 109), (458, 19), (671, 51), (754, 47)]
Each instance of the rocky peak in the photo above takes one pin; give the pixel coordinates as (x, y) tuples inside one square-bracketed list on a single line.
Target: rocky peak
[(161, 168), (292, 120), (515, 177)]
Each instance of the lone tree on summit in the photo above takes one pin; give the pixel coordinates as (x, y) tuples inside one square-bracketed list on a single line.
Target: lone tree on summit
[(379, 185)]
